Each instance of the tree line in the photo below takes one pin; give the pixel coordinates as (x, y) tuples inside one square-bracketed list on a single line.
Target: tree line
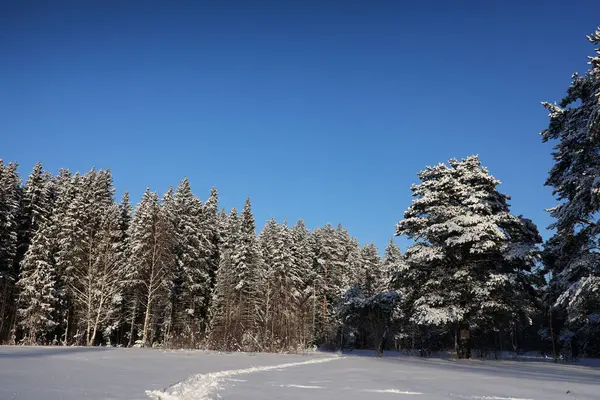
[(78, 267)]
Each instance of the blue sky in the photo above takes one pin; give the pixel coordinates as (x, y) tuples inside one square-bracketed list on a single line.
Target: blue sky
[(317, 110)]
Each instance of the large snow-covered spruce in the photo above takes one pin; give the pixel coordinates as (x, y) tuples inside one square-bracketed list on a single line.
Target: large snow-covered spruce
[(471, 262), (238, 298), (37, 276), (10, 212), (152, 262), (191, 243), (572, 255), (282, 315)]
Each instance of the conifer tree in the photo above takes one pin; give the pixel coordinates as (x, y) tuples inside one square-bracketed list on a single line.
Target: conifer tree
[(284, 286), (107, 275), (372, 279), (37, 277), (302, 254), (129, 286), (330, 262), (10, 212), (223, 296), (391, 259), (66, 187), (151, 260), (36, 286), (470, 254), (214, 227), (191, 248), (269, 247), (37, 201), (572, 255), (82, 249), (249, 274)]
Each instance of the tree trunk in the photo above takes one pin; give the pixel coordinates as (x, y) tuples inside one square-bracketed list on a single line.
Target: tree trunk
[(65, 343), (550, 324), (146, 322), (133, 314), (381, 338), (456, 348), (464, 342), (96, 322)]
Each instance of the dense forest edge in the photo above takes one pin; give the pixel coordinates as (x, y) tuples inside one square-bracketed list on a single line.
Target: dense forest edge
[(78, 267)]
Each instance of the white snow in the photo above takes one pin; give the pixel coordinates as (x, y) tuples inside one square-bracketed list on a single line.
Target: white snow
[(396, 391), (495, 398), (201, 386), (302, 386), (78, 373)]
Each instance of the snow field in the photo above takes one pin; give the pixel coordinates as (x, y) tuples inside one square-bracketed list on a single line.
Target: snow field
[(34, 373)]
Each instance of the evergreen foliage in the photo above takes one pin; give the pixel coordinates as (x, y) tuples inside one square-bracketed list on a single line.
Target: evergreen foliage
[(572, 255)]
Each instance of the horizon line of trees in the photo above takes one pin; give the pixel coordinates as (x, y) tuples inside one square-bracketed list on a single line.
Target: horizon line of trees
[(77, 267)]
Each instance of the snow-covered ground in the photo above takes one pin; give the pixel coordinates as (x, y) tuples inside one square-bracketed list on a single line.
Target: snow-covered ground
[(73, 373)]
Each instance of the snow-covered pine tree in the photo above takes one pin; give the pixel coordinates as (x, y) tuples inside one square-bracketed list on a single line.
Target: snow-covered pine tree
[(36, 286), (36, 207), (191, 248), (214, 227), (65, 187), (470, 254), (151, 260), (303, 257), (249, 274), (37, 276), (10, 212), (330, 263), (283, 288), (129, 285), (268, 243), (108, 274), (572, 255), (82, 248), (391, 259), (372, 276), (223, 307), (368, 281), (353, 268)]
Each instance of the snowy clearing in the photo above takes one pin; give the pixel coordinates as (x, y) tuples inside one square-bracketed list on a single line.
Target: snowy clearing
[(203, 386), (72, 373)]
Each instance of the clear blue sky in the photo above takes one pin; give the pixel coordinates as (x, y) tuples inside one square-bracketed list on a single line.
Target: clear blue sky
[(318, 110)]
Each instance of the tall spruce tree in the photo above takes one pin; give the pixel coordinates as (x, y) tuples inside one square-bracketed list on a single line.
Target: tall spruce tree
[(129, 286), (222, 335), (303, 257), (391, 260), (152, 262), (37, 276), (214, 227), (572, 255), (372, 277), (82, 249), (329, 264), (66, 187), (249, 276), (192, 249), (37, 292), (283, 288), (36, 199), (10, 212), (470, 256)]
